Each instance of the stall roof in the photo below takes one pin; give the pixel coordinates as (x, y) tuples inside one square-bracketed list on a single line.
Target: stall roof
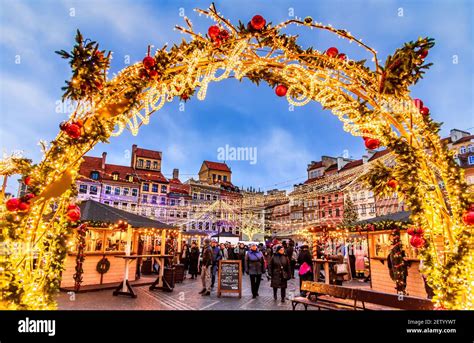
[(195, 233), (96, 211), (403, 216)]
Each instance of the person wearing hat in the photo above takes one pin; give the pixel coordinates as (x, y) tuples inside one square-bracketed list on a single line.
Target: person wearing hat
[(305, 262), (206, 268), (255, 267), (280, 272)]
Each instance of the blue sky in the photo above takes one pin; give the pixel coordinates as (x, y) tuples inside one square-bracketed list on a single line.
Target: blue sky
[(237, 114)]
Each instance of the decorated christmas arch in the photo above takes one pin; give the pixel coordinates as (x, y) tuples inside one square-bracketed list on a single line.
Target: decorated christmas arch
[(373, 103)]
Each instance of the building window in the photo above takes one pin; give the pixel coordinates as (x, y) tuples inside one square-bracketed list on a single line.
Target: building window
[(148, 164), (337, 212), (95, 175), (134, 207), (140, 163), (195, 196), (134, 192), (208, 197), (470, 160), (201, 196), (219, 177), (116, 204), (83, 189), (115, 176), (154, 188), (153, 199), (163, 189), (214, 197), (117, 191), (323, 214), (145, 198), (329, 199), (336, 197), (106, 202), (173, 202), (108, 189), (93, 190), (324, 201), (214, 177), (163, 201), (155, 165), (124, 205), (470, 148), (462, 150), (126, 190), (130, 178), (225, 178), (146, 187)]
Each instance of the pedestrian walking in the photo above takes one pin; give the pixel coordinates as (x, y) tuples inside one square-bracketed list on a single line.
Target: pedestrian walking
[(292, 256), (223, 252), (217, 255), (279, 271), (231, 252), (206, 268), (240, 252), (193, 260), (254, 267), (184, 258), (305, 261)]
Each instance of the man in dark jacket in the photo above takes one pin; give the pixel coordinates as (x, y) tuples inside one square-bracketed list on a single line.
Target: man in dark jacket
[(217, 254), (206, 268), (240, 252)]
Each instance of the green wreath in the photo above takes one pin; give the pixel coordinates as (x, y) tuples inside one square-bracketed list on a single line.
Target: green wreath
[(103, 266)]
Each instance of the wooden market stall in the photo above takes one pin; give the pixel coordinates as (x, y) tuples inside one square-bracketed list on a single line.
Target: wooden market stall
[(107, 232), (374, 238)]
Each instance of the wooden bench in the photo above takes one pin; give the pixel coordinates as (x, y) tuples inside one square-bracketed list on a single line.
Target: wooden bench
[(332, 297)]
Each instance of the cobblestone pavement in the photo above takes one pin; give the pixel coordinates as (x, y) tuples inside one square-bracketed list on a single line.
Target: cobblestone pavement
[(184, 297)]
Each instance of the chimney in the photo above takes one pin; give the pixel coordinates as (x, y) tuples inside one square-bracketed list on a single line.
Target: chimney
[(365, 159), (104, 156), (175, 173), (134, 149)]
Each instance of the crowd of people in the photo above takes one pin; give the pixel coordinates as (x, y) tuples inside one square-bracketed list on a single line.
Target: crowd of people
[(275, 261)]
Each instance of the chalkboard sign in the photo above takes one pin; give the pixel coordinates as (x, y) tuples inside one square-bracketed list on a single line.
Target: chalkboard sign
[(229, 277)]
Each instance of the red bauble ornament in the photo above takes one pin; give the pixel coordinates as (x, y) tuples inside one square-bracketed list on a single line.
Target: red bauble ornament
[(418, 231), (417, 241), (29, 196), (213, 32), (372, 143), (418, 103), (281, 90), (332, 52), (468, 218), (392, 183), (12, 204), (224, 35), (99, 85), (258, 22), (73, 207), (73, 131), (184, 96), (27, 180), (74, 215), (342, 57), (153, 74), (411, 231), (425, 111), (23, 206), (148, 62), (423, 53)]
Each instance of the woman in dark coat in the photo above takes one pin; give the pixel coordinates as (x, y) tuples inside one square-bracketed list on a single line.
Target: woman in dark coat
[(305, 262), (193, 260), (280, 272), (185, 256), (255, 267)]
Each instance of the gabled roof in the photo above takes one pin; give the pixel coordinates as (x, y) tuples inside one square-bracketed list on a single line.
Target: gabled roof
[(315, 165), (91, 164), (352, 164), (153, 176), (153, 154), (176, 186), (217, 166), (379, 154), (95, 211), (464, 139)]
